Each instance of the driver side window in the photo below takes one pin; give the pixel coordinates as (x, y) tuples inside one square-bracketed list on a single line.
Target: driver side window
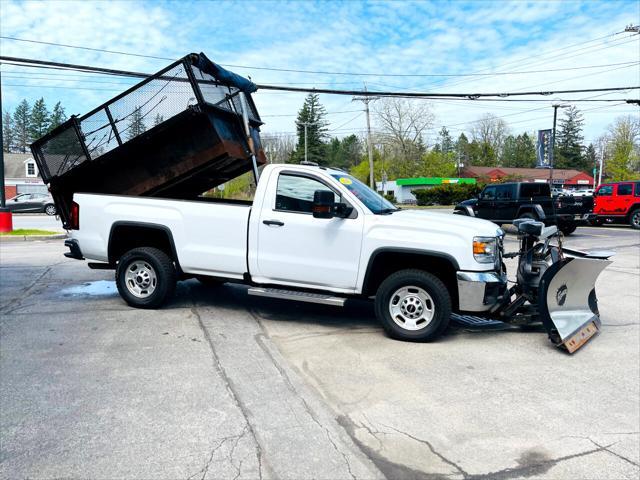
[(295, 193), (489, 193)]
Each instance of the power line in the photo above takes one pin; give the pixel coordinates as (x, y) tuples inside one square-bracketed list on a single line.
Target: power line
[(315, 72), (473, 96), (572, 53)]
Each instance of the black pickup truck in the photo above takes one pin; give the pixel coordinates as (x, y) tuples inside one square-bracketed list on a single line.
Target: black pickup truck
[(504, 202)]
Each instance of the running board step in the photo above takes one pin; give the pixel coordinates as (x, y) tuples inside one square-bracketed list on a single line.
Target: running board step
[(296, 295)]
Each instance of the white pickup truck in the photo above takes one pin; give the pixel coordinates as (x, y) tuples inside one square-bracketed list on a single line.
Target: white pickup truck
[(311, 234)]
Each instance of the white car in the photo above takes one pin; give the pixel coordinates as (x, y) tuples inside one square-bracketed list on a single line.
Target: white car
[(583, 192)]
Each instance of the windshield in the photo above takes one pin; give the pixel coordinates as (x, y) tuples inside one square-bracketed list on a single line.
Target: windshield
[(374, 202)]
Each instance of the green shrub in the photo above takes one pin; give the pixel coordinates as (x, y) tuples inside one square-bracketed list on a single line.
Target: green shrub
[(391, 197), (449, 194)]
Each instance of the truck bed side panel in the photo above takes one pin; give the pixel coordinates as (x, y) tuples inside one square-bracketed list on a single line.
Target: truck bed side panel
[(210, 239)]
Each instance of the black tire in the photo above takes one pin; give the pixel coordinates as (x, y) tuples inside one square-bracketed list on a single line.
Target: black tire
[(209, 281), (416, 280), (634, 219), (531, 216), (146, 260), (461, 212), (568, 228), (50, 209)]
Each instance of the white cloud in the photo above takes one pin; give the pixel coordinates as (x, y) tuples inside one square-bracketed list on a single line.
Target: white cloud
[(388, 37)]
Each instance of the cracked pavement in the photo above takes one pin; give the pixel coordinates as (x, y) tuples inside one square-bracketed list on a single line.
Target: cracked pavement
[(222, 385)]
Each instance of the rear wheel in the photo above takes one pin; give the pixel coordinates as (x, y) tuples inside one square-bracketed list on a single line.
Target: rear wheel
[(634, 219), (50, 209), (568, 228), (145, 277), (413, 305)]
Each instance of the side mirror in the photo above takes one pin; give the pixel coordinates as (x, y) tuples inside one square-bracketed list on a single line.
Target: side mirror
[(323, 204)]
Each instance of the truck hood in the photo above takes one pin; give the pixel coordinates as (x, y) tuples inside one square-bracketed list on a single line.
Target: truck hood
[(442, 233), (443, 222)]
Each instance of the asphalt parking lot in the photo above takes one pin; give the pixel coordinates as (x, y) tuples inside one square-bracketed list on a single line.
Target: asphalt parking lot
[(222, 385)]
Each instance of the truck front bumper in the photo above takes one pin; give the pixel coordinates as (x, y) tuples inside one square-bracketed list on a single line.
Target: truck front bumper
[(479, 291)]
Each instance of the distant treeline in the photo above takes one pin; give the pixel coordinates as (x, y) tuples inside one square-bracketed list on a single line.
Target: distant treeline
[(28, 123)]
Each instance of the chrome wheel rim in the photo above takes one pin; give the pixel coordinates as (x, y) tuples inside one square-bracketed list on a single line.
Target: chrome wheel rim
[(635, 219), (411, 308), (50, 210), (140, 279)]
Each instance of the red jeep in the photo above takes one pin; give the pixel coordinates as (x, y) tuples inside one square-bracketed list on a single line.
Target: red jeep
[(617, 203)]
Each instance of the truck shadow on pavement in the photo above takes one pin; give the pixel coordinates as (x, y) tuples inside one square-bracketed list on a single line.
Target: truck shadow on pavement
[(355, 315)]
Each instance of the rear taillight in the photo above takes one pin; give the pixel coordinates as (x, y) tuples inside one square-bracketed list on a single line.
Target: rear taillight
[(74, 221)]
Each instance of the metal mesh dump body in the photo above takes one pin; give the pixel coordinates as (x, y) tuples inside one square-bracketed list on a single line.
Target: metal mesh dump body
[(176, 134)]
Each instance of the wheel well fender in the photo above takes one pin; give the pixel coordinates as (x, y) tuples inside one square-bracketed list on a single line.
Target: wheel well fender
[(633, 208), (127, 235), (464, 210), (385, 261), (535, 208)]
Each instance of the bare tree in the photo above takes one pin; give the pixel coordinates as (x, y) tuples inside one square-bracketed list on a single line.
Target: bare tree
[(278, 147), (490, 130), (402, 124)]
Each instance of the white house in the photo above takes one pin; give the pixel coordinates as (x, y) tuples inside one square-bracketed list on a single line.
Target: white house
[(21, 175)]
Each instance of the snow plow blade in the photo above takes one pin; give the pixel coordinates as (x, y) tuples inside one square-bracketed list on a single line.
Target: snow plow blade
[(567, 301)]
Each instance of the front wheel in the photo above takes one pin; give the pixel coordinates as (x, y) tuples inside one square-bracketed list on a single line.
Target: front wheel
[(568, 228), (145, 277), (634, 219), (413, 305), (50, 209)]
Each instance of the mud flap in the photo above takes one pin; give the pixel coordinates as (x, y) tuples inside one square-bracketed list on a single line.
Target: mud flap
[(567, 303)]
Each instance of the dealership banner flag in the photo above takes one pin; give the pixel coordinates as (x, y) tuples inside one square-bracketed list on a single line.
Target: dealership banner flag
[(544, 153)]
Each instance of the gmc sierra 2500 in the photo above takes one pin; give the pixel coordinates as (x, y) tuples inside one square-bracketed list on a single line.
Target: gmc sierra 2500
[(315, 230), (315, 234)]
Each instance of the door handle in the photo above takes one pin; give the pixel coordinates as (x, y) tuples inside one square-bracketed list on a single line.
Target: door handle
[(273, 223)]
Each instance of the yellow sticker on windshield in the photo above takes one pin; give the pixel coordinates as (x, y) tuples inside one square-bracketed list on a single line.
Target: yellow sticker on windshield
[(346, 181)]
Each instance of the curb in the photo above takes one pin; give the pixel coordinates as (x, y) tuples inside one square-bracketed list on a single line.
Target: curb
[(30, 238)]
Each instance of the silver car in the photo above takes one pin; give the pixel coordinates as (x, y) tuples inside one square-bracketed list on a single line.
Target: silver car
[(32, 203)]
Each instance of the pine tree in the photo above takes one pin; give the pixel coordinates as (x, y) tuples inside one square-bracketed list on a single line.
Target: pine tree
[(445, 142), (136, 124), (58, 117), (158, 119), (313, 114), (22, 126), (569, 138), (462, 149), (8, 133), (509, 152), (590, 159), (40, 120), (525, 151)]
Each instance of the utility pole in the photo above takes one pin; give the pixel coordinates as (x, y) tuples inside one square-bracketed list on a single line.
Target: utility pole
[(553, 142), (306, 148), (601, 164), (6, 222), (366, 99)]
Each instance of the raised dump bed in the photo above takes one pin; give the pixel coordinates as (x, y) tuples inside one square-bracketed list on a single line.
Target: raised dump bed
[(175, 134)]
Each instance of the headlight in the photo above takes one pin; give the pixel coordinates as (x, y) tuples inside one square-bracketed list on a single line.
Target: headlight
[(484, 249)]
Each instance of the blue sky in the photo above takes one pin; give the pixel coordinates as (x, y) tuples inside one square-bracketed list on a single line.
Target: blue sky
[(373, 37)]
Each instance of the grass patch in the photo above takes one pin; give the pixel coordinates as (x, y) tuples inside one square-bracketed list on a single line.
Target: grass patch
[(21, 232)]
